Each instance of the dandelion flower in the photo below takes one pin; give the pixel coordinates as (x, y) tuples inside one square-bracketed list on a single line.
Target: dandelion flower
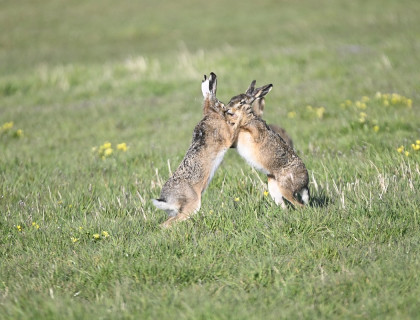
[(409, 103), (19, 228), (19, 133), (74, 240), (96, 236), (106, 145), (122, 147), (7, 126), (105, 234), (407, 153), (265, 193), (400, 149), (376, 128), (361, 105), (35, 225), (108, 152), (236, 199), (415, 147), (320, 112), (417, 141)]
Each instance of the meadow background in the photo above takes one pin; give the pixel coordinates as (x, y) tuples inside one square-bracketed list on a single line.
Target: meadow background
[(98, 101)]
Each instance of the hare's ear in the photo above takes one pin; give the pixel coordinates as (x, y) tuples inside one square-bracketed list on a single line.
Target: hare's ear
[(213, 83), (205, 87), (251, 88), (261, 92)]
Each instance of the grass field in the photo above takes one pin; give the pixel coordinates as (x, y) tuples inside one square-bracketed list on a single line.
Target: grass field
[(79, 236)]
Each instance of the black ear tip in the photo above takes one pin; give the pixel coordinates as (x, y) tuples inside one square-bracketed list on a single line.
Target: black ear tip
[(205, 78), (212, 74)]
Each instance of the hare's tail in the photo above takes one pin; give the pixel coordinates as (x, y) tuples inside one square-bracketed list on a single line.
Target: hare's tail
[(171, 209)]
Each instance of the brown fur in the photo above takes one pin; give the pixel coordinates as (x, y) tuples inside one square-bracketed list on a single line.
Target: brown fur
[(267, 151), (212, 137), (258, 108)]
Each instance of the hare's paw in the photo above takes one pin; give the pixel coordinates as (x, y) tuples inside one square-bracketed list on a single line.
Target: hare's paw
[(205, 87)]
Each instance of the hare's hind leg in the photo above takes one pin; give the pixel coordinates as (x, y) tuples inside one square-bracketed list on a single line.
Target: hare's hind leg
[(275, 192)]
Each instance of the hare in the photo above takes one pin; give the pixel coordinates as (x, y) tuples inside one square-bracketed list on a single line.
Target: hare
[(265, 150), (212, 137), (258, 108)]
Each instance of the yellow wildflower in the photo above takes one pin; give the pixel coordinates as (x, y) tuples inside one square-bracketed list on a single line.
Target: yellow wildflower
[(122, 147), (107, 152), (395, 98), (409, 103), (361, 105), (376, 128), (378, 95), (415, 147), (320, 112), (105, 234), (19, 228), (291, 114), (106, 145), (362, 116), (19, 133), (417, 141), (348, 103), (236, 199), (265, 193), (74, 240), (407, 153), (35, 225), (96, 236), (386, 103), (7, 126), (365, 99), (400, 149)]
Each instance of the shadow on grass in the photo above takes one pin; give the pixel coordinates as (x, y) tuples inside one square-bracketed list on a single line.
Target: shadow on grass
[(320, 200)]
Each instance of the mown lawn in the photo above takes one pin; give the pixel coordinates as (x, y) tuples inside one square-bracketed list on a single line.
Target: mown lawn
[(79, 236)]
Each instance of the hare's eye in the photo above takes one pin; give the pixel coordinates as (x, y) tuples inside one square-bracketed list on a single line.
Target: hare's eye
[(242, 102)]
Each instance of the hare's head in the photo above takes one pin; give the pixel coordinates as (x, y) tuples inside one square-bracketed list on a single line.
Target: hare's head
[(245, 102), (209, 88)]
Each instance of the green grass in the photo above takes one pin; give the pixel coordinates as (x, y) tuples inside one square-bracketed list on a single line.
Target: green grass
[(76, 74)]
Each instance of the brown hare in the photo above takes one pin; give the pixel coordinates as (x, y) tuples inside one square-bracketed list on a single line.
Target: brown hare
[(212, 137), (258, 107), (265, 150)]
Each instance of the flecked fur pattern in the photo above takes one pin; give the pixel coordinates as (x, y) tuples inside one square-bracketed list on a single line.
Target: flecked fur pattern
[(181, 195), (258, 108), (265, 150)]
